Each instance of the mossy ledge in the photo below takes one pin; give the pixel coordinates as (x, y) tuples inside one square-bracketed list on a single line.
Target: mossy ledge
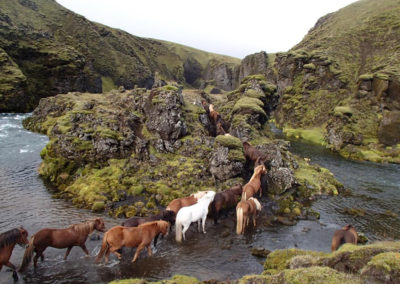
[(130, 152), (374, 263)]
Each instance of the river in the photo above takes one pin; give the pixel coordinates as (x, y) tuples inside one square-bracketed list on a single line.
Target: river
[(220, 254)]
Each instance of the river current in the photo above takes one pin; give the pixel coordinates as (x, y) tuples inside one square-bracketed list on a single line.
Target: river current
[(219, 254)]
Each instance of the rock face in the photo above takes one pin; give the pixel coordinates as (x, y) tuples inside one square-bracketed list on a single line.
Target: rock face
[(256, 63), (222, 167), (221, 75)]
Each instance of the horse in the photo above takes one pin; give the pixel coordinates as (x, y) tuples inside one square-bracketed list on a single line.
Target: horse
[(8, 240), (225, 200), (166, 215), (216, 120), (178, 203), (206, 107), (219, 129), (254, 184), (253, 154), (245, 210), (347, 234), (74, 235), (197, 212), (140, 237)]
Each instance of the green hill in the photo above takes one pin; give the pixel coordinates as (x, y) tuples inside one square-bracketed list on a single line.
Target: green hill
[(341, 83), (53, 50)]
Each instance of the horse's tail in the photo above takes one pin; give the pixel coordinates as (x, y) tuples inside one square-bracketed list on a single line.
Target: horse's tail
[(178, 230), (239, 221), (244, 195), (104, 248), (27, 255)]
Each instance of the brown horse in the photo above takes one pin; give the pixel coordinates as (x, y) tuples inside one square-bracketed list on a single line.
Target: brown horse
[(253, 154), (254, 184), (225, 200), (8, 240), (347, 234), (178, 203), (75, 235), (166, 215), (245, 210), (140, 237)]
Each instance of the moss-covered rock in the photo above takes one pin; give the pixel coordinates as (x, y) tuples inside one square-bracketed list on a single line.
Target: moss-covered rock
[(383, 268)]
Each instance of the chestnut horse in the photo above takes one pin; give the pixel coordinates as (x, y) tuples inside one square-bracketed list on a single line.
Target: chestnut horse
[(253, 154), (140, 237), (178, 203), (225, 200), (347, 234), (254, 184), (8, 240), (166, 215), (74, 235), (245, 210)]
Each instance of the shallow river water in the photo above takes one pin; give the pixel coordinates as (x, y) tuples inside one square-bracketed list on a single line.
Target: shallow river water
[(219, 254)]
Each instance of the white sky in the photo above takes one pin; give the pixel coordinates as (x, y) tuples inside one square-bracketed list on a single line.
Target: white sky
[(236, 28)]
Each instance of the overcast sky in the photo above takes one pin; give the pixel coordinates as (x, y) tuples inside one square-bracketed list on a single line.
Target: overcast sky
[(229, 27)]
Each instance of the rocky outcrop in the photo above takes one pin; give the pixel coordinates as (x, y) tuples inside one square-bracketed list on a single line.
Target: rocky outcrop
[(253, 64), (221, 75)]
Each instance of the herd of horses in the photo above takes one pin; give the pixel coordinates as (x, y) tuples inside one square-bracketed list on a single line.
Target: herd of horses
[(139, 232)]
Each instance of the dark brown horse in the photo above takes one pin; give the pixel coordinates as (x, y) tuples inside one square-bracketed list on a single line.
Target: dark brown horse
[(253, 154), (8, 240), (75, 235), (347, 234), (245, 210), (140, 237), (166, 215), (217, 121), (178, 203), (225, 200), (254, 184)]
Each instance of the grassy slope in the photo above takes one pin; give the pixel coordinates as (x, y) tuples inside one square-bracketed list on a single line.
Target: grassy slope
[(42, 30), (361, 39)]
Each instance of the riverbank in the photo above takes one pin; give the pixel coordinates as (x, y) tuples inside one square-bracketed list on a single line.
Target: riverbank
[(374, 263)]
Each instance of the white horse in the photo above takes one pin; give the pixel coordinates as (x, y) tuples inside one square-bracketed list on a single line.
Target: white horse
[(197, 212)]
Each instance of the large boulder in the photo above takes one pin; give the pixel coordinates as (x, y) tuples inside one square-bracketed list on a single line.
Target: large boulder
[(389, 128)]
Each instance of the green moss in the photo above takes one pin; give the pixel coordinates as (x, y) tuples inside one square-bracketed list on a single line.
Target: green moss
[(314, 135), (309, 66), (229, 141), (249, 104), (107, 84), (98, 206), (314, 275), (254, 94), (343, 110), (176, 279), (236, 155), (366, 77)]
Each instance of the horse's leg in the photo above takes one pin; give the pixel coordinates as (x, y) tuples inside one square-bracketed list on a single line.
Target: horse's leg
[(155, 239), (185, 228), (198, 225), (254, 220), (83, 246), (138, 250), (204, 223), (149, 250), (67, 252), (14, 270)]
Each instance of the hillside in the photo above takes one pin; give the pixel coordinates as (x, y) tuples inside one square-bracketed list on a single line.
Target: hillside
[(46, 49), (340, 86)]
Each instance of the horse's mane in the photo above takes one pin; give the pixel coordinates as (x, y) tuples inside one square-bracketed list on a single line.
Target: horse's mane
[(198, 194), (159, 224), (83, 228), (10, 237), (255, 172)]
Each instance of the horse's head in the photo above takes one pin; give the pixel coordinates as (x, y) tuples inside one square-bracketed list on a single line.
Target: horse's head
[(261, 169), (199, 194), (347, 227), (169, 216), (210, 194), (99, 225), (23, 240), (237, 189), (163, 227)]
